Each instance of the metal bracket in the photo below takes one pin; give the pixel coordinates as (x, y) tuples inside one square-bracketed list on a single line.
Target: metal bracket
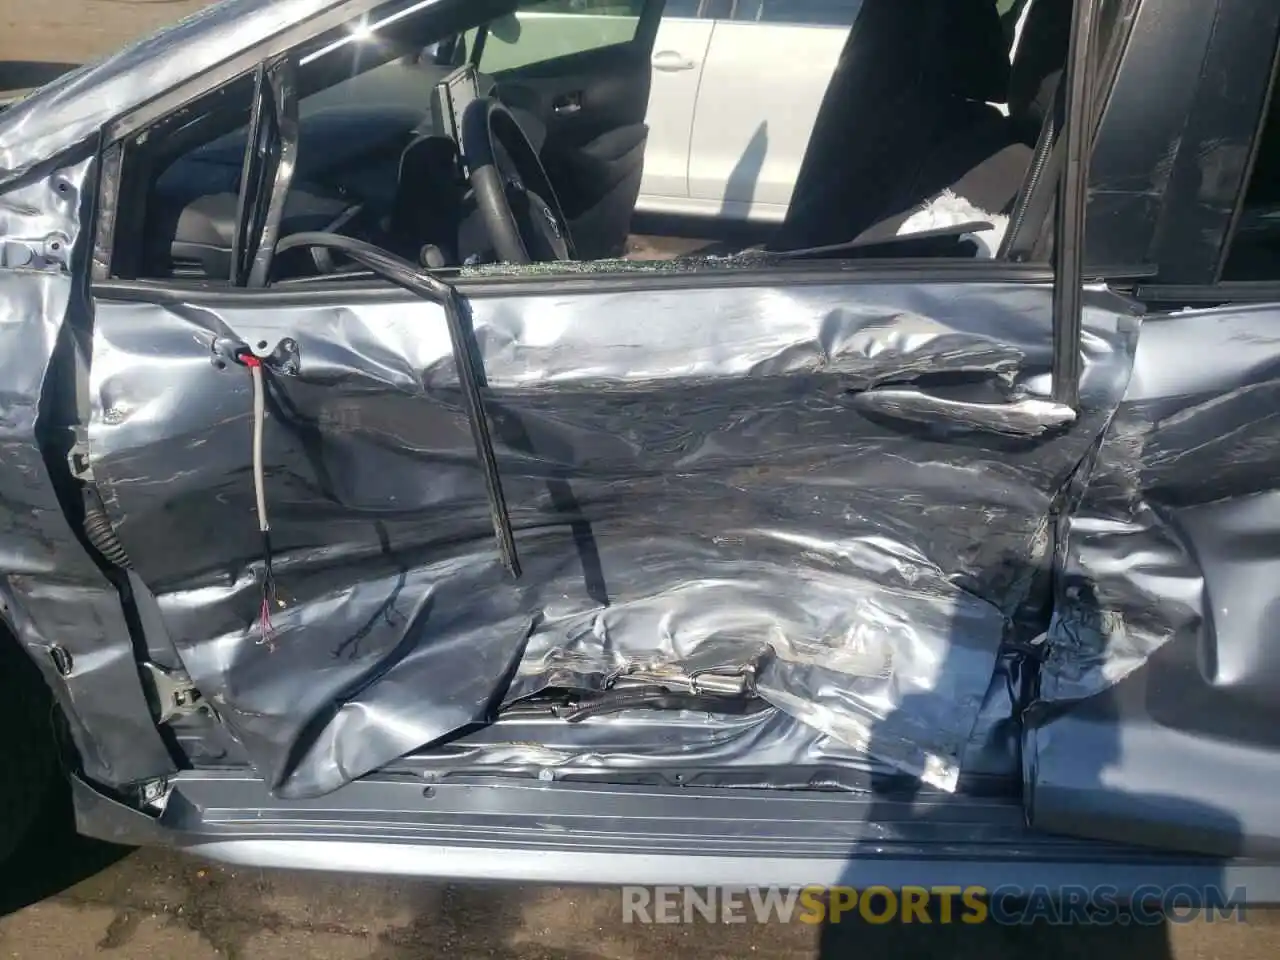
[(154, 793), (175, 694), (279, 354), (78, 460)]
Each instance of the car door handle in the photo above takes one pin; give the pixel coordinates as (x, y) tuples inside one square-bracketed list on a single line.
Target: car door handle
[(1026, 417), (567, 104), (672, 61)]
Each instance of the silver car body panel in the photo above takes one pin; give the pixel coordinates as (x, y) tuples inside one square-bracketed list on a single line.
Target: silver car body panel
[(1162, 670), (691, 483), (550, 831), (51, 591)]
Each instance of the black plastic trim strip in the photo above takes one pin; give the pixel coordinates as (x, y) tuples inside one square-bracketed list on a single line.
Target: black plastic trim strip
[(1261, 291), (241, 241), (365, 287), (1069, 223), (282, 80)]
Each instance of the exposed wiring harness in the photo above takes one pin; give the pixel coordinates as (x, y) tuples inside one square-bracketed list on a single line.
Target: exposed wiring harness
[(270, 595), (405, 275)]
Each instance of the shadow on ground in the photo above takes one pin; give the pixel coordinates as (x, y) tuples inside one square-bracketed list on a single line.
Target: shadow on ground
[(53, 858), (991, 941)]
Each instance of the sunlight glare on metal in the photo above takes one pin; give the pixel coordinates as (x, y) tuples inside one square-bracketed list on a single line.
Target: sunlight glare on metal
[(364, 31)]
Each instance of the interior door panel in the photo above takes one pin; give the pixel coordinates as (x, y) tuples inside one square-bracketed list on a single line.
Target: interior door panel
[(593, 107)]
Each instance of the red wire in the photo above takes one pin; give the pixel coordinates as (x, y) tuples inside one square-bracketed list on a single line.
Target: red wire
[(264, 624)]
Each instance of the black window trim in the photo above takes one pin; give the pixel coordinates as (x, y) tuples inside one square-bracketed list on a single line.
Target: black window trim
[(1200, 48), (364, 288), (1209, 295)]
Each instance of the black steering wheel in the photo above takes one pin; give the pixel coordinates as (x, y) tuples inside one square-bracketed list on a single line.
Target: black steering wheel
[(516, 200)]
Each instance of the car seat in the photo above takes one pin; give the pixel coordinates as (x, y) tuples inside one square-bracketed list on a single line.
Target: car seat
[(908, 116)]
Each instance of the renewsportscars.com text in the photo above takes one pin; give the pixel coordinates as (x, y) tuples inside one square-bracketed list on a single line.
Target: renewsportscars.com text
[(1008, 905)]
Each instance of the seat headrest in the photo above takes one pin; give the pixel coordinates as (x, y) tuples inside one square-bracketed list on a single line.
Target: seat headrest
[(975, 64), (1038, 63), (956, 47)]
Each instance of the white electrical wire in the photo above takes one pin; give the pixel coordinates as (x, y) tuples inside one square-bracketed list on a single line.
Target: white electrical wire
[(259, 421)]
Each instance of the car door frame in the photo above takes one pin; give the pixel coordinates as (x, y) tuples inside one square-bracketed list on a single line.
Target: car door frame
[(1066, 279), (1085, 99)]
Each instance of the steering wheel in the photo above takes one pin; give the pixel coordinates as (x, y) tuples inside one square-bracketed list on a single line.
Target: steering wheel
[(516, 200)]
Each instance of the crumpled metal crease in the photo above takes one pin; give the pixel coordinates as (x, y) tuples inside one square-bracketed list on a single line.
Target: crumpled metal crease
[(50, 590), (1155, 722), (773, 747), (1186, 436), (680, 491)]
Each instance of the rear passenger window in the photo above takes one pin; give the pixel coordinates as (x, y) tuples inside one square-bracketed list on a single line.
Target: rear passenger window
[(549, 29), (1255, 248)]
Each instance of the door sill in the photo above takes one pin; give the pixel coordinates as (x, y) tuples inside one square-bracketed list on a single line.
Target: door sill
[(550, 831)]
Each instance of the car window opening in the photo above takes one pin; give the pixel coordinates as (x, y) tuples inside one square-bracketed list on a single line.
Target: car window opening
[(914, 137), (1254, 251)]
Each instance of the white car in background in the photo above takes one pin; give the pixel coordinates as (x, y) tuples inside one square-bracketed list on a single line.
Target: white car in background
[(709, 153)]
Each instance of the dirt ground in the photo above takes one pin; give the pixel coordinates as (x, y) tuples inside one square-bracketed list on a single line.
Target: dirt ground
[(68, 898), (40, 39), (65, 897)]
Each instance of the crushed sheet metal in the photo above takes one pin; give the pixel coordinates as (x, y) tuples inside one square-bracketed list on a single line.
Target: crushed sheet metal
[(51, 592), (682, 492), (1162, 641), (774, 746)]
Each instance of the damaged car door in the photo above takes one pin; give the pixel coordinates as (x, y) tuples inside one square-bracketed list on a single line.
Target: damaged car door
[(761, 476), (371, 517)]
